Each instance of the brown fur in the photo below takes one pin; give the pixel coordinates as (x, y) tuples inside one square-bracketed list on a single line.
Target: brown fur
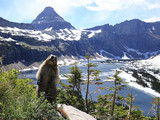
[(48, 77)]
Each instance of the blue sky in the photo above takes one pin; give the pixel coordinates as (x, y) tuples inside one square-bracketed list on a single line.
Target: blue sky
[(83, 13)]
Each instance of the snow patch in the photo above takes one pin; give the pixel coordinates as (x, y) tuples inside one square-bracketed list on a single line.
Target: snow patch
[(46, 37), (69, 34), (38, 35), (62, 77), (93, 32), (99, 57), (66, 60), (153, 28), (48, 29), (7, 39), (125, 56), (105, 52), (132, 82), (146, 54), (73, 34), (29, 69)]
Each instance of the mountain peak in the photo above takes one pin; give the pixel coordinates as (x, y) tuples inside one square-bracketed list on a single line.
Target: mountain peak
[(134, 26), (48, 8), (48, 12), (49, 18)]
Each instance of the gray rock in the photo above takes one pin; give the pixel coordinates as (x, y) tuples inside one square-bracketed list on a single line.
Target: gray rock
[(74, 114)]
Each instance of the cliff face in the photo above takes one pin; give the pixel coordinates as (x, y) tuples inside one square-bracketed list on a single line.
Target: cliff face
[(134, 38), (51, 34)]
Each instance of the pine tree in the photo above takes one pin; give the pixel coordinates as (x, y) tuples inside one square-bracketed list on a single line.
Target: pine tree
[(73, 92), (75, 78), (119, 84), (129, 101), (91, 73), (155, 107), (107, 103)]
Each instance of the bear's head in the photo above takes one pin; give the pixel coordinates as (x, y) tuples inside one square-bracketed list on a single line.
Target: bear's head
[(52, 60)]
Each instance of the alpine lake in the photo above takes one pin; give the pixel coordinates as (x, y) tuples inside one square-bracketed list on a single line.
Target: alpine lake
[(107, 69)]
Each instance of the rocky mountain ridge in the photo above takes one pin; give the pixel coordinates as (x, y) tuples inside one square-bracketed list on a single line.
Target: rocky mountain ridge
[(6, 23), (133, 39)]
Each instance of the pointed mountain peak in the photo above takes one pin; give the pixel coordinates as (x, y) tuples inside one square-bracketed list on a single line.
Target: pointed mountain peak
[(48, 9), (48, 18), (48, 12)]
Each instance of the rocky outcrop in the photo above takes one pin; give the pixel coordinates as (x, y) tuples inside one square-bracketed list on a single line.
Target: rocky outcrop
[(72, 113)]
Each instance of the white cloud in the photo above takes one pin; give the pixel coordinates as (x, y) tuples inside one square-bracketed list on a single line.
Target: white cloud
[(105, 5), (61, 6), (95, 5), (83, 13), (153, 6), (80, 3), (152, 19), (99, 5), (111, 5), (103, 9)]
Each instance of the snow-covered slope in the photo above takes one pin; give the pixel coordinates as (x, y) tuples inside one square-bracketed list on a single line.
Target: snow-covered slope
[(152, 63), (48, 35), (38, 35), (145, 54), (144, 74), (16, 44)]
